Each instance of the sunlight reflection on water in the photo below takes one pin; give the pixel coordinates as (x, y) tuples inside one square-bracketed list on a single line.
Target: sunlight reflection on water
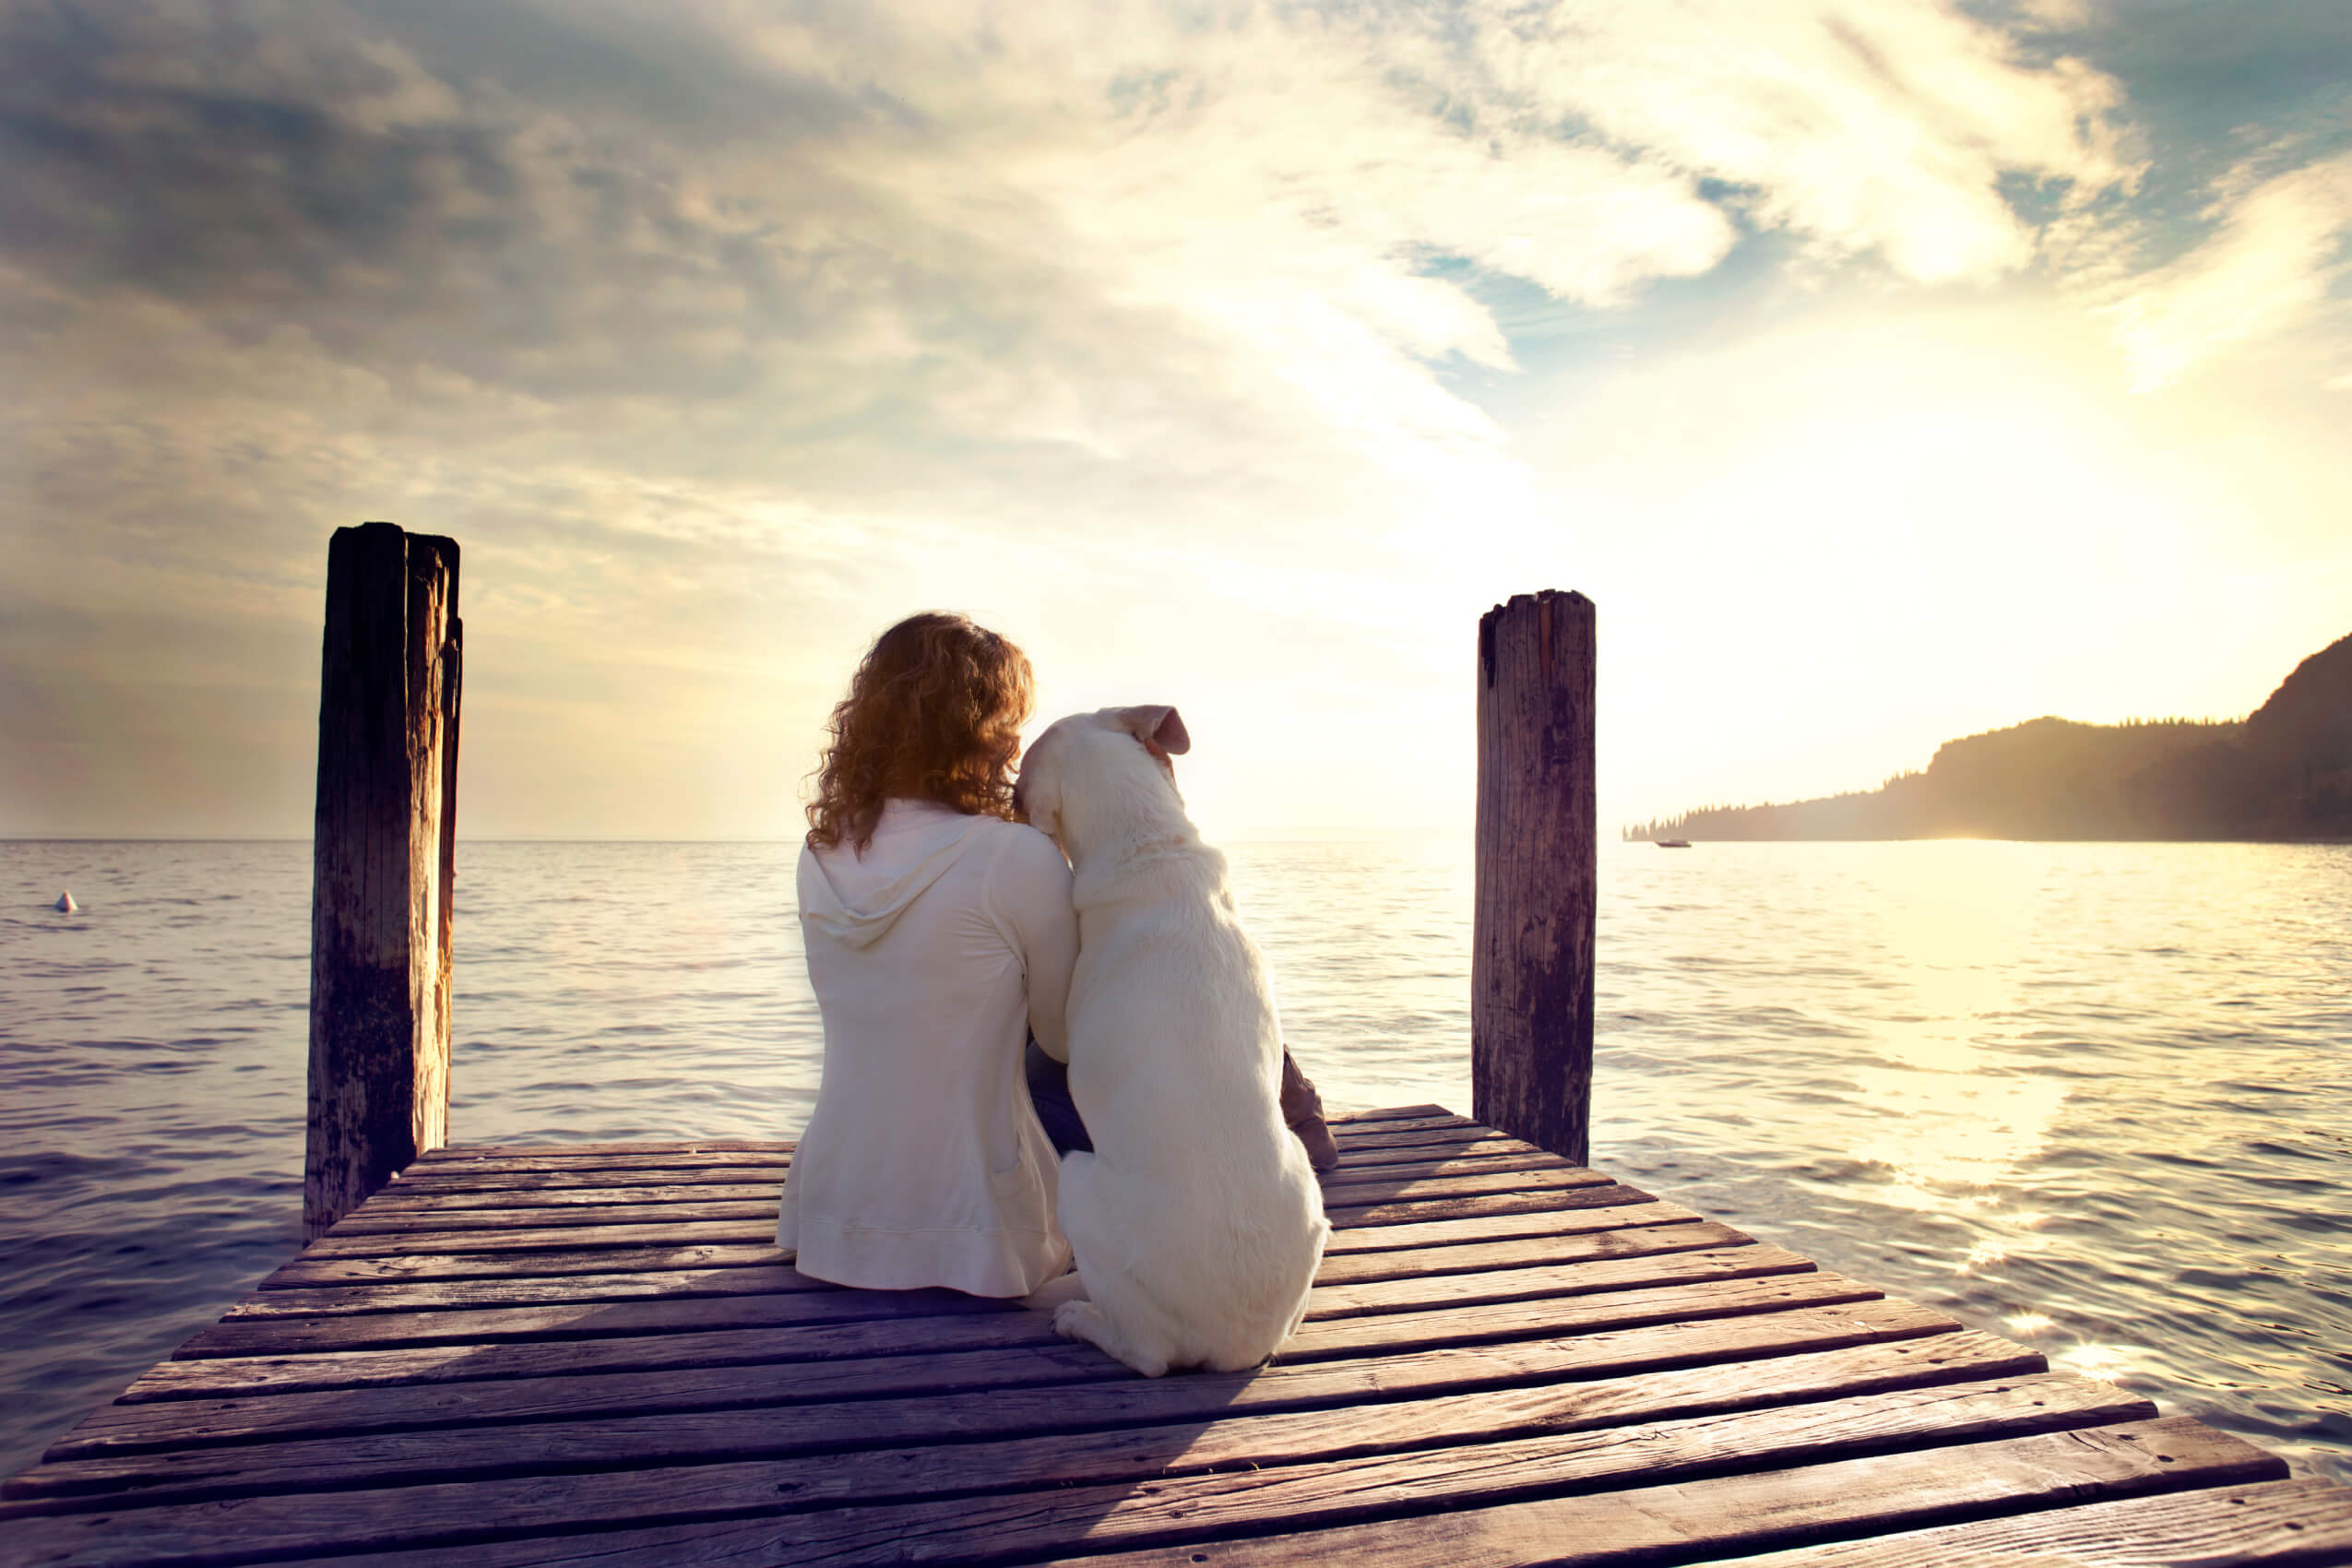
[(2094, 1095)]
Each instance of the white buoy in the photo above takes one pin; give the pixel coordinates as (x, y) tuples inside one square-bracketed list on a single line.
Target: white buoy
[(65, 905)]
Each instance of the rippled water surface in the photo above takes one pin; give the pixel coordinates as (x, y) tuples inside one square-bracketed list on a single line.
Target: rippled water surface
[(2092, 1096)]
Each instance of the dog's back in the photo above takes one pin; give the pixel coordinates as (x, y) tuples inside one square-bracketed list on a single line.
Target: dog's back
[(1197, 1222)]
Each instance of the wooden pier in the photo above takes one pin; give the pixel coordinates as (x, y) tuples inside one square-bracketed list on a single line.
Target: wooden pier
[(594, 1355)]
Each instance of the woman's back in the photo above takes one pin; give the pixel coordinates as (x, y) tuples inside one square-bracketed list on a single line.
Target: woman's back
[(932, 955)]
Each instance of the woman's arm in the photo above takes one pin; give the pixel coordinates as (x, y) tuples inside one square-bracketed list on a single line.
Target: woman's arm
[(1032, 895)]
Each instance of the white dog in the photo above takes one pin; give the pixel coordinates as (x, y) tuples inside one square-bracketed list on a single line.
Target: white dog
[(1197, 1222)]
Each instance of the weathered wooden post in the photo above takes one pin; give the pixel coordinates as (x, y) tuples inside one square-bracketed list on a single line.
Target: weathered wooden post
[(1531, 960), (383, 864)]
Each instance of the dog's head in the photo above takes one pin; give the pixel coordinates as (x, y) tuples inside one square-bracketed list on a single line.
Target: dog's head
[(1094, 751)]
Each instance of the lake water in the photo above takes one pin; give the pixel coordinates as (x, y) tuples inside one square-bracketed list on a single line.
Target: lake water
[(2094, 1097)]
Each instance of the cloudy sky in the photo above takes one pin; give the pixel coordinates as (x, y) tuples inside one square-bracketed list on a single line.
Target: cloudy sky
[(1885, 371)]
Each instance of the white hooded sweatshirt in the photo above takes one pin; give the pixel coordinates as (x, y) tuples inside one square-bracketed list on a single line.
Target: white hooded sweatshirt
[(933, 955)]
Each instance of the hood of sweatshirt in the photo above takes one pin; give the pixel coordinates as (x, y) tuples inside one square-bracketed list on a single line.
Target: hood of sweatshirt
[(855, 899)]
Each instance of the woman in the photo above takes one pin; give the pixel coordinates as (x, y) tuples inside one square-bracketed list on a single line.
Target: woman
[(940, 936)]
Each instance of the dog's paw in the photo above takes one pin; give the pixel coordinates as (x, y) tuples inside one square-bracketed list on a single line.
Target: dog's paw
[(1056, 1293), (1083, 1320)]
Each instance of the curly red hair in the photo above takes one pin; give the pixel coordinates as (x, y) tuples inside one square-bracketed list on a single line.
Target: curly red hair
[(934, 712)]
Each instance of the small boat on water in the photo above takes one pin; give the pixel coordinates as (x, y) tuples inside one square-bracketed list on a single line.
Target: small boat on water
[(1672, 843)]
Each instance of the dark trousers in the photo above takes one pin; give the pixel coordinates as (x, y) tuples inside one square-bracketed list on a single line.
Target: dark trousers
[(1049, 1092)]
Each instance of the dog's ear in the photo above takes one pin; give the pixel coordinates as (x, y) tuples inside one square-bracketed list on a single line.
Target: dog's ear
[(1158, 727)]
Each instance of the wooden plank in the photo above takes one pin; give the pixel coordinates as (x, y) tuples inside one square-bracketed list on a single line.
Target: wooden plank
[(532, 1385), (1435, 1233), (1485, 1148), (688, 1205), (442, 1182), (526, 1194), (640, 1233), (237, 1380), (1344, 1124), (283, 1336), (566, 1191), (1422, 1291), (530, 1185), (458, 1164), (1447, 1144), (1546, 1316), (1383, 1229), (440, 1295), (1448, 1134), (484, 1158), (1438, 1162), (465, 1160), (1468, 1141), (1389, 1113), (456, 1161), (308, 1271), (1372, 1190), (748, 1543), (2271, 1524), (1385, 1141), (180, 1423), (1193, 1507), (1296, 1466), (698, 1223), (676, 1345), (397, 1228), (389, 1221), (1440, 1118), (437, 1281), (1744, 1512), (1528, 1251), (380, 1458), (655, 1171), (561, 1396), (992, 1528), (1598, 1275), (1646, 1526), (1437, 1241), (433, 1295), (670, 1147), (566, 1229), (584, 1319), (1417, 1211)]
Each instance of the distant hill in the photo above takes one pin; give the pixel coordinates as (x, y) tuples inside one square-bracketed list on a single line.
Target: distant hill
[(2285, 772)]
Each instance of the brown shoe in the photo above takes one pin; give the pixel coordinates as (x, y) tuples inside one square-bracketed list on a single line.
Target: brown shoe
[(1302, 1109)]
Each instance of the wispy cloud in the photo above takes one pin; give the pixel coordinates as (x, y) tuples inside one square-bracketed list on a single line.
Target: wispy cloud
[(1884, 130), (2278, 246)]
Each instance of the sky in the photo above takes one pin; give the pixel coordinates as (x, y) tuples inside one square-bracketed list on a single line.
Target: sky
[(1885, 371)]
